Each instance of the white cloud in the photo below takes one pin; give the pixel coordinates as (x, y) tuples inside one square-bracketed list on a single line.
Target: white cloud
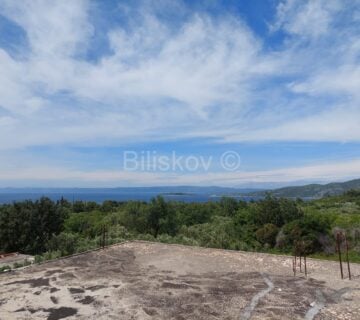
[(54, 29), (309, 18), (206, 77), (212, 77), (344, 79), (203, 64), (156, 77)]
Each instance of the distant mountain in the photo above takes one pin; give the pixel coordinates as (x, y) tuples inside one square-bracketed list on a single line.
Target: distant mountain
[(312, 190)]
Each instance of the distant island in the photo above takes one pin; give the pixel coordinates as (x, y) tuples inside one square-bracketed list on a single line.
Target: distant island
[(176, 194)]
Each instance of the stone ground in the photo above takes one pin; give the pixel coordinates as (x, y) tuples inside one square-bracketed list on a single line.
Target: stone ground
[(141, 280), (10, 259)]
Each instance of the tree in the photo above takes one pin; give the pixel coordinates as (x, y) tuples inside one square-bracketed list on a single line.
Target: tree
[(229, 206), (135, 217), (79, 206), (276, 211), (266, 235), (66, 243), (310, 229), (27, 226), (161, 217)]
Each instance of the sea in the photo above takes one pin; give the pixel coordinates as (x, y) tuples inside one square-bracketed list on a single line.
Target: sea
[(99, 197)]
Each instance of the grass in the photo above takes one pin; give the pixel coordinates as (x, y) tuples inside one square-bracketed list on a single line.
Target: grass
[(353, 257)]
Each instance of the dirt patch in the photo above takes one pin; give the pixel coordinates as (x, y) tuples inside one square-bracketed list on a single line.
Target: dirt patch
[(96, 288), (87, 300), (60, 313), (67, 276), (150, 312), (76, 290), (54, 300), (34, 283), (52, 272), (171, 285), (26, 309)]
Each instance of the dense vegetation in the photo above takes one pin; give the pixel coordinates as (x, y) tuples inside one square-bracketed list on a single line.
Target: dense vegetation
[(52, 229)]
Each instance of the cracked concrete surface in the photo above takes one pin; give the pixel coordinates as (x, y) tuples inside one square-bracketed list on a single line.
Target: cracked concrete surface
[(140, 280)]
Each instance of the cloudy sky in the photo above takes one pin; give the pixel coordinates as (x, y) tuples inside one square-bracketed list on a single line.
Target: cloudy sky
[(82, 82)]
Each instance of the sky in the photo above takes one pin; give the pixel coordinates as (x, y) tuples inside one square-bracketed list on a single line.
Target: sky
[(257, 93)]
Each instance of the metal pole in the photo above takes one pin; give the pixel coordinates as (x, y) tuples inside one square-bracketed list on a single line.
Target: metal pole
[(347, 256), (293, 266), (103, 237), (338, 241), (106, 235)]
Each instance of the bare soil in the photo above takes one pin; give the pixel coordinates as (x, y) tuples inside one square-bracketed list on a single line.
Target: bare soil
[(140, 280)]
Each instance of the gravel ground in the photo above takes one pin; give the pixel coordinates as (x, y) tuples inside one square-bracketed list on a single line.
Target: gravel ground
[(141, 280)]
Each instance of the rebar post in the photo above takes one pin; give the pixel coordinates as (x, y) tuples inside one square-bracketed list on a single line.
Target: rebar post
[(347, 256), (294, 265), (338, 242), (103, 237)]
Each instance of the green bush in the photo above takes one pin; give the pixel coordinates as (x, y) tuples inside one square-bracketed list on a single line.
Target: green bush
[(266, 235), (66, 243)]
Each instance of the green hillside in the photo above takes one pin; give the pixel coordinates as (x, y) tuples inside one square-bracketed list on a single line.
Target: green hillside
[(313, 190)]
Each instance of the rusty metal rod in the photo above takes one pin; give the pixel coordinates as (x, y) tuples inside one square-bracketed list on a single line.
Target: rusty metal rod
[(294, 265), (103, 231), (338, 241), (347, 256)]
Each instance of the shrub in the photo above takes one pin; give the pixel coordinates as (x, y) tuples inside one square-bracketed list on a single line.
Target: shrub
[(267, 234)]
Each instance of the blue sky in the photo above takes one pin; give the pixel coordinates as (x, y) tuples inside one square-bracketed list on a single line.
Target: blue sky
[(83, 82)]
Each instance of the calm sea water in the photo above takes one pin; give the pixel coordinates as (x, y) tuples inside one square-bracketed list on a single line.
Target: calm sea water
[(118, 196)]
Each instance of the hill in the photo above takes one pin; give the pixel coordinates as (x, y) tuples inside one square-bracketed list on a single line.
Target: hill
[(313, 190)]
